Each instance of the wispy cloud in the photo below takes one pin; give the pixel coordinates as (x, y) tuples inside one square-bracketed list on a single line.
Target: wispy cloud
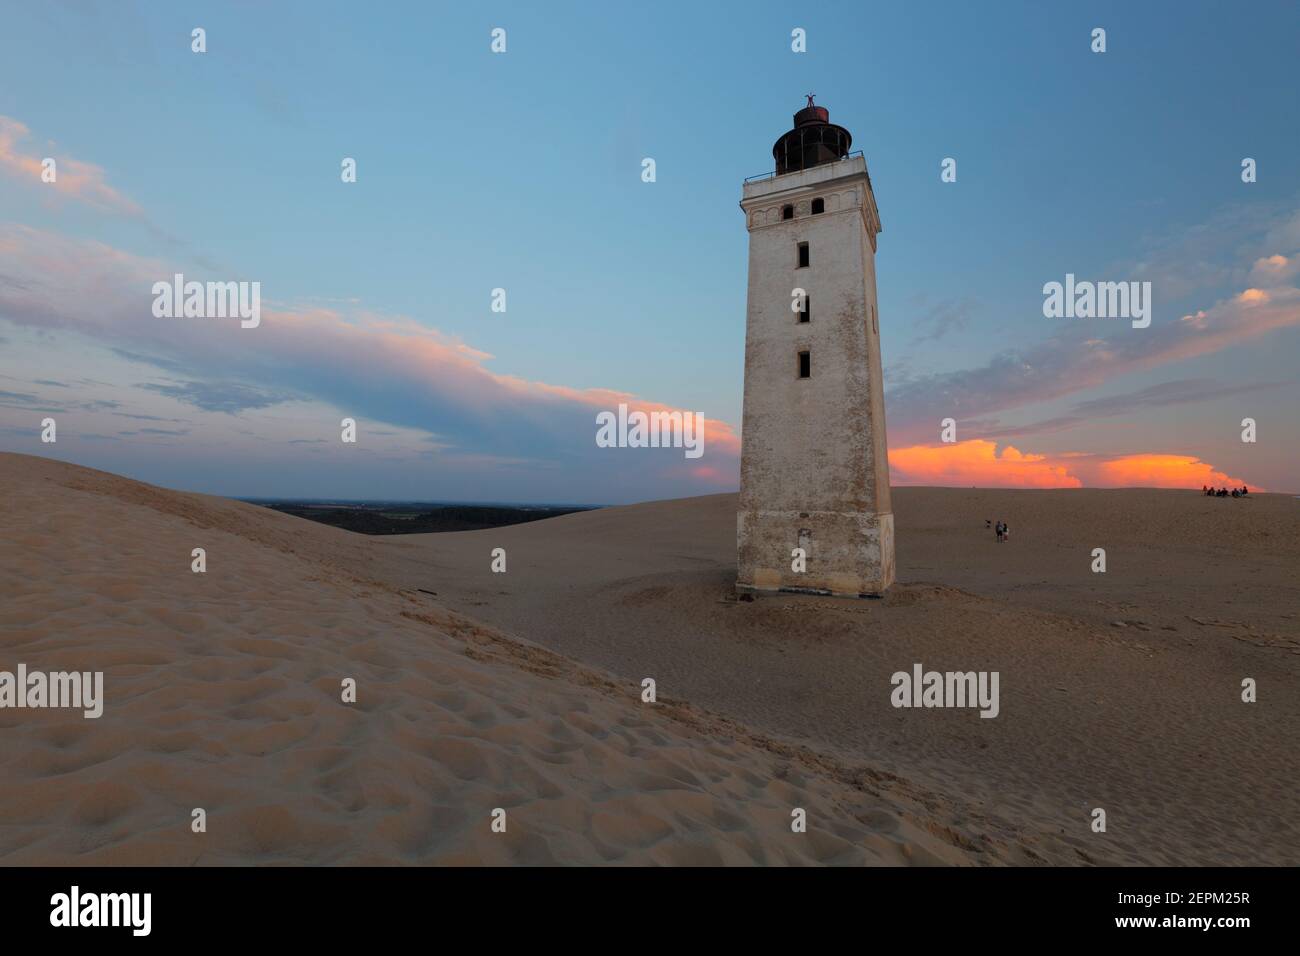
[(1071, 362), (942, 318), (84, 182), (228, 397), (1252, 247), (1180, 392)]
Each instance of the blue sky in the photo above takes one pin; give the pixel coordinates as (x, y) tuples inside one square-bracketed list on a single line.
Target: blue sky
[(522, 170)]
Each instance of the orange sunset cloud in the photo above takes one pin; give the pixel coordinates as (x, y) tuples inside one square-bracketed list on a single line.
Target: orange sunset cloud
[(1162, 471), (977, 463)]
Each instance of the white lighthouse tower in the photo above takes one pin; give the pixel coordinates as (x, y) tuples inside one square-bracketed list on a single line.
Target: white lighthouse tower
[(814, 509)]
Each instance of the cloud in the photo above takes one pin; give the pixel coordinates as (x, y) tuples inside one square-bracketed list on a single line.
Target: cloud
[(1274, 270), (1179, 392), (1070, 361), (979, 463), (374, 368), (228, 397), (1250, 247), (78, 180), (947, 316), (1209, 255), (148, 418), (27, 401), (156, 361), (1161, 471), (151, 432)]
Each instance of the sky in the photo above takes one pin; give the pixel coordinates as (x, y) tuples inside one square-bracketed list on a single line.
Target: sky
[(522, 171)]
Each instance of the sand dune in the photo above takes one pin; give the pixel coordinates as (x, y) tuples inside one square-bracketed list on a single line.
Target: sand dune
[(223, 692), (521, 690), (1119, 690)]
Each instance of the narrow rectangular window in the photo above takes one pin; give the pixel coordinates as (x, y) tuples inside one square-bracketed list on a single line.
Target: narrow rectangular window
[(805, 314), (803, 255), (805, 365)]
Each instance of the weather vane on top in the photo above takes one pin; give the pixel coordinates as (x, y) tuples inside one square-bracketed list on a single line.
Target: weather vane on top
[(810, 98)]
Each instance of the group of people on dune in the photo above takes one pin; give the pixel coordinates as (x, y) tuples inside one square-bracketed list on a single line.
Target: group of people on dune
[(1241, 492), (1003, 530)]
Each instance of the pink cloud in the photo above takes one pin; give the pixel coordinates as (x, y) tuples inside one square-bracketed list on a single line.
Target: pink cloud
[(385, 368), (75, 179)]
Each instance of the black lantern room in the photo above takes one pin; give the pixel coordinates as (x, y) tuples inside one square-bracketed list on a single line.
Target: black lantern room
[(813, 141)]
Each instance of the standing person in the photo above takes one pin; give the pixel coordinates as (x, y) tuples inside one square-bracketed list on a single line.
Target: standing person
[(998, 529), (1006, 531)]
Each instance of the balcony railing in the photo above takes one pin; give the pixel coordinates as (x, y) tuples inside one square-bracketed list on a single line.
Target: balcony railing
[(773, 174)]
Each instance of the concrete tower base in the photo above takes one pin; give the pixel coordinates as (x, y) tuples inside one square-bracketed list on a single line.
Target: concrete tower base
[(848, 554)]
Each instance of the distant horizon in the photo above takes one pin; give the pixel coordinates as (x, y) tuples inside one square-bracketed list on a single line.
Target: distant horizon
[(594, 506), (254, 499), (257, 500)]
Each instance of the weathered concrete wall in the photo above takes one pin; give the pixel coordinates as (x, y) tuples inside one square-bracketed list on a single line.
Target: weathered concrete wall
[(813, 471)]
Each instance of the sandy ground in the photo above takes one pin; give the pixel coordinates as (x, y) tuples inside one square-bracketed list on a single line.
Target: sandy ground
[(521, 690), (223, 692), (1119, 690)]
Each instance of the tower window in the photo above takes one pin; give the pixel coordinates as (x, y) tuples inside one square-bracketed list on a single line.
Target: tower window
[(805, 314), (818, 206), (805, 365), (803, 255), (787, 212)]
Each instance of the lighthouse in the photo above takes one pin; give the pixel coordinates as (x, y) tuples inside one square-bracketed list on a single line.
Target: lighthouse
[(814, 513)]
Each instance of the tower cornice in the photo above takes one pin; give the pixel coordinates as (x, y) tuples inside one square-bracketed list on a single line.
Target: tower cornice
[(844, 184)]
